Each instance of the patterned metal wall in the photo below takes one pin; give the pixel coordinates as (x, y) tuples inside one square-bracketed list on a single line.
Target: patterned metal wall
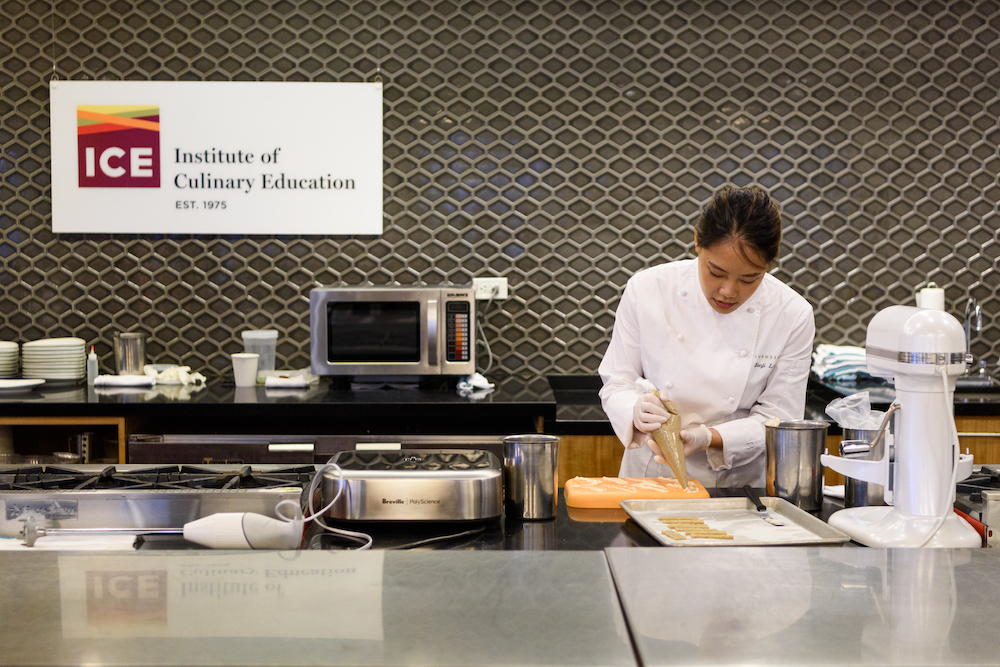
[(564, 145)]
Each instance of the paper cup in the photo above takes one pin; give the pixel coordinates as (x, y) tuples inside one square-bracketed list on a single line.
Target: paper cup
[(245, 368)]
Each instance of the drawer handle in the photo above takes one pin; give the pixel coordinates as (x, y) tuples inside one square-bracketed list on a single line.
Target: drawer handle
[(377, 445), (979, 435), (291, 447)]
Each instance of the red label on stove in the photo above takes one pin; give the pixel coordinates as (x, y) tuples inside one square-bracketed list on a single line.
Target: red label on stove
[(126, 597)]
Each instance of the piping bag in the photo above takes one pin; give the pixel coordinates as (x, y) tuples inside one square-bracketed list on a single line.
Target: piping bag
[(668, 437)]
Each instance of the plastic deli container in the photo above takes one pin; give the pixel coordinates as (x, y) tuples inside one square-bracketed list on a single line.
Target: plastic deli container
[(262, 342)]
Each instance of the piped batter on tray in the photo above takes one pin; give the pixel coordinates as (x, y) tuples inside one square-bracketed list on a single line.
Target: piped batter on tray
[(693, 527)]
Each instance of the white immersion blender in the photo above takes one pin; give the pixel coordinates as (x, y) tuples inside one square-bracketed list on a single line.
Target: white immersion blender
[(922, 351)]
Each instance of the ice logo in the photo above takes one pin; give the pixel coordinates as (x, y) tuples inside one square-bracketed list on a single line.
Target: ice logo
[(118, 146)]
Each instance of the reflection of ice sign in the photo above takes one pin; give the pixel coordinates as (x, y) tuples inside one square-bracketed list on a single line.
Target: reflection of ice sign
[(222, 596), (117, 598)]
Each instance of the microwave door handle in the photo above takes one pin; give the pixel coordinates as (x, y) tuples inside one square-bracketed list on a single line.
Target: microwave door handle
[(432, 332)]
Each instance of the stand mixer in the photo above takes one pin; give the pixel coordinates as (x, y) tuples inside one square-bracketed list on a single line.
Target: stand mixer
[(923, 352)]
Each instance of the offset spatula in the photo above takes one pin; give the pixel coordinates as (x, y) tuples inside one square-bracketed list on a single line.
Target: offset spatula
[(752, 495)]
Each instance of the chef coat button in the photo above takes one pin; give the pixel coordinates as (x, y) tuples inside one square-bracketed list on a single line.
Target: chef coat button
[(669, 385), (684, 292), (732, 400), (680, 337), (750, 309), (743, 353)]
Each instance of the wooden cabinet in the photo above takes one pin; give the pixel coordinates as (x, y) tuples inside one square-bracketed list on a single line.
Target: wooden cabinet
[(589, 456), (981, 436), (60, 426), (830, 477)]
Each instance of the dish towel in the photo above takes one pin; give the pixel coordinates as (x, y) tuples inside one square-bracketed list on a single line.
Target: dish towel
[(124, 381), (839, 362), (474, 386), (294, 382)]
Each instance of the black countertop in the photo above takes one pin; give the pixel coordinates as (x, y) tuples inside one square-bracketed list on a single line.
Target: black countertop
[(579, 411), (578, 406), (572, 529), (566, 404), (512, 406), (970, 400)]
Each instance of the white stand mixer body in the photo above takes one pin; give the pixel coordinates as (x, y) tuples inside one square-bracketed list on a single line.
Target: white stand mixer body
[(913, 347), (924, 455)]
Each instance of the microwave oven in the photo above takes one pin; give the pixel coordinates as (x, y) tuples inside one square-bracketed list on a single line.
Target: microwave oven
[(392, 331)]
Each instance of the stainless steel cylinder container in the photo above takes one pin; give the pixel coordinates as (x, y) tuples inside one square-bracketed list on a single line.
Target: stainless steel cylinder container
[(794, 471), (856, 492), (531, 470)]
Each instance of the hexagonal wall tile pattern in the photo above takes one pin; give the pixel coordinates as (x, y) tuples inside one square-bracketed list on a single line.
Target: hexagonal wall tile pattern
[(564, 145)]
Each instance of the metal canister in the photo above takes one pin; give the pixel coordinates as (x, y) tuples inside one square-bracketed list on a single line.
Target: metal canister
[(794, 471), (857, 444), (531, 476)]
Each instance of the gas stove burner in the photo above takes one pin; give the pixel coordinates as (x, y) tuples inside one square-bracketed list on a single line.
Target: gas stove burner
[(131, 496), (160, 477), (414, 460), (988, 478)]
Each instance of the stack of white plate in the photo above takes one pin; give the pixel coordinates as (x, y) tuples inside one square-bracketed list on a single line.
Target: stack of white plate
[(8, 360), (54, 359)]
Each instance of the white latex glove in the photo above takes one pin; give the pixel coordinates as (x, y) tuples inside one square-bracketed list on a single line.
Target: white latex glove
[(649, 413), (655, 448), (696, 438)]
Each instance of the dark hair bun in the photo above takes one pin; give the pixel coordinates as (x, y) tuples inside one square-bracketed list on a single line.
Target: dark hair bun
[(747, 216)]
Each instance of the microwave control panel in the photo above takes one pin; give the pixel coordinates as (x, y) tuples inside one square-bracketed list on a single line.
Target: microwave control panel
[(457, 330)]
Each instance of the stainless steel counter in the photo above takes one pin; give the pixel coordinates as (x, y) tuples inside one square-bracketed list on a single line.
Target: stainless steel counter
[(720, 606), (310, 608), (810, 606)]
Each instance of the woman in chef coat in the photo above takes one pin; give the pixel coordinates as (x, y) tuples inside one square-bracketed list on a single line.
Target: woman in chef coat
[(718, 335)]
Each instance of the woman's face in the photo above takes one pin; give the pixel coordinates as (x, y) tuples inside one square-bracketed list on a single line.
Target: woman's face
[(728, 279)]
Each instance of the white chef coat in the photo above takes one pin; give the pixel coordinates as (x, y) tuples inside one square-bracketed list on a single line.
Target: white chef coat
[(730, 371)]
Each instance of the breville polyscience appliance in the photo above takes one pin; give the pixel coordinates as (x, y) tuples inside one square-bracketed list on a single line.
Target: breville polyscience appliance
[(414, 485), (923, 352)]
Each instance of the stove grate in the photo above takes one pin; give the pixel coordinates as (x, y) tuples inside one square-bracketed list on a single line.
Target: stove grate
[(52, 478), (412, 460)]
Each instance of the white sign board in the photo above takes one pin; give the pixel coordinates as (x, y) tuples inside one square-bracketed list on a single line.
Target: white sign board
[(216, 157)]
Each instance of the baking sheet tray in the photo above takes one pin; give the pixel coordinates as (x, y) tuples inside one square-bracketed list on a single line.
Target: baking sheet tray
[(738, 517)]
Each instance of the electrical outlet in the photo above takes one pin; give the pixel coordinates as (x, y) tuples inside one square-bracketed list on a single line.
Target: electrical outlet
[(489, 288)]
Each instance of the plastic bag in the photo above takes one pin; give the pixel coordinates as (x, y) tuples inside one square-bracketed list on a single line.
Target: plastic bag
[(855, 412)]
